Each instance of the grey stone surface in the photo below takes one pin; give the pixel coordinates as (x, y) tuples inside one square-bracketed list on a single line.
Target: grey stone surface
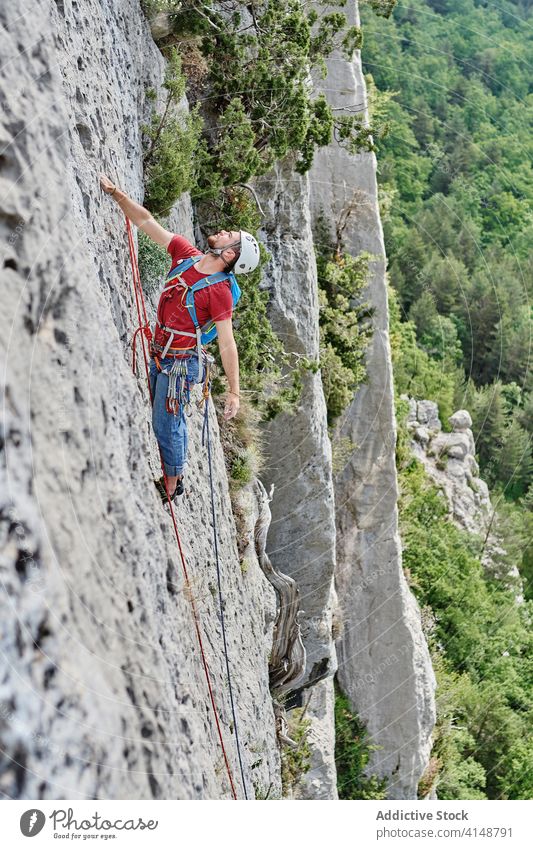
[(384, 664), (102, 692), (461, 420), (422, 434), (449, 460), (320, 782), (302, 534)]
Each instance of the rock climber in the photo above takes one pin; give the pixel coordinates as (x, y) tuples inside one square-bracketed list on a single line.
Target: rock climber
[(175, 347)]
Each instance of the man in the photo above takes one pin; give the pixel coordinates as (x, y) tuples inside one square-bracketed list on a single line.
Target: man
[(235, 251)]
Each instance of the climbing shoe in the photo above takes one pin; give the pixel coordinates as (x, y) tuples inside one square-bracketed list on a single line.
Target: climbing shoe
[(160, 486)]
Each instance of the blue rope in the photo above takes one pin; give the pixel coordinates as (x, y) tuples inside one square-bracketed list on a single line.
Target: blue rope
[(206, 437)]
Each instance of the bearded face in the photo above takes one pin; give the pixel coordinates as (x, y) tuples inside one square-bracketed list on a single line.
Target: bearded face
[(223, 238)]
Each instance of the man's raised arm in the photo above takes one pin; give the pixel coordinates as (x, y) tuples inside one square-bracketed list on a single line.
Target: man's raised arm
[(140, 216), (230, 361)]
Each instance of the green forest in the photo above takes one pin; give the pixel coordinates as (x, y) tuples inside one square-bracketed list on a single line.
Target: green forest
[(451, 82)]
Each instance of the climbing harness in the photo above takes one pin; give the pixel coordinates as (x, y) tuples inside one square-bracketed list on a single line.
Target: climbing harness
[(143, 331), (179, 388), (202, 335)]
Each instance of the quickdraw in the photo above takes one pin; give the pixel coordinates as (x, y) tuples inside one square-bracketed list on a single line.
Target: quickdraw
[(209, 370), (179, 389)]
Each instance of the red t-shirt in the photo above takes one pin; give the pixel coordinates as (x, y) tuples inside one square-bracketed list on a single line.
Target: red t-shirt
[(214, 303)]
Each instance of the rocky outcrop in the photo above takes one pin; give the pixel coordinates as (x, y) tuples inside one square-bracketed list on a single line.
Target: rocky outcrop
[(449, 459), (102, 693), (384, 664)]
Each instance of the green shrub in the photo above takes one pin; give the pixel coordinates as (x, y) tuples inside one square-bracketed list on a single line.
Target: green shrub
[(271, 378), (344, 320), (154, 262), (352, 753), (342, 447), (295, 762), (172, 140)]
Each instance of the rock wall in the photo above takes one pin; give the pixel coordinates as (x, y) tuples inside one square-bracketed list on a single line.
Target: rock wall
[(102, 692), (298, 451), (384, 664), (301, 538)]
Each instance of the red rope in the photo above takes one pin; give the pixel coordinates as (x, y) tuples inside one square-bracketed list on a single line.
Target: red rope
[(144, 330)]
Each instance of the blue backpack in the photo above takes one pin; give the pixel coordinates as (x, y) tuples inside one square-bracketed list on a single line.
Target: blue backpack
[(208, 332)]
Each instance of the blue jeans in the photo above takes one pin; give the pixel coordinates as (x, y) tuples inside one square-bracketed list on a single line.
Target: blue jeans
[(170, 430)]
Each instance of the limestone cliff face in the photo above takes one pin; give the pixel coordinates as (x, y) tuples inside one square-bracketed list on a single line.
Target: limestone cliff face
[(102, 693), (302, 534), (384, 664)]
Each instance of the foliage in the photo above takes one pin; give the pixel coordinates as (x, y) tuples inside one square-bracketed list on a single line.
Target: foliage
[(270, 378), (436, 334), (295, 762), (503, 433), (456, 172), (459, 774), (344, 320), (260, 103), (154, 262), (481, 641), (514, 526), (172, 141), (352, 753), (262, 794), (415, 371)]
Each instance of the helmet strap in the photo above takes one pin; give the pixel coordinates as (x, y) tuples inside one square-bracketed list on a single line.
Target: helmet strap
[(220, 251)]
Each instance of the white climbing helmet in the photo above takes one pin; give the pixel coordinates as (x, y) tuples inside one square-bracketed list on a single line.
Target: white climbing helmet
[(249, 255)]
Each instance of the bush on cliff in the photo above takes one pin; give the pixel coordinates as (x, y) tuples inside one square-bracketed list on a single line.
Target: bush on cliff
[(352, 754)]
